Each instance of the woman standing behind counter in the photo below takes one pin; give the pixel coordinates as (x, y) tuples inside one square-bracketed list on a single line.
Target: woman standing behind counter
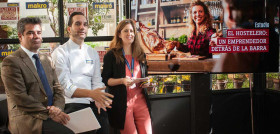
[(199, 30), (123, 63)]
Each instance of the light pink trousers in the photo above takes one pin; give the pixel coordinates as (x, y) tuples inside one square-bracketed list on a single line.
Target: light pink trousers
[(137, 120)]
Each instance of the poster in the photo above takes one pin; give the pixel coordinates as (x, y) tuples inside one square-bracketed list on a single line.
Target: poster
[(247, 43), (106, 14), (77, 7), (9, 13), (104, 19)]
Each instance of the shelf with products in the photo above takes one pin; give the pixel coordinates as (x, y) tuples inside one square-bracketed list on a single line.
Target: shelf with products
[(146, 11), (173, 25), (182, 24), (172, 19), (217, 24)]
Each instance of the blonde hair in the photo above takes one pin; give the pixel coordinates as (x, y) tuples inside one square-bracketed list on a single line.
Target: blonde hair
[(207, 22), (116, 44)]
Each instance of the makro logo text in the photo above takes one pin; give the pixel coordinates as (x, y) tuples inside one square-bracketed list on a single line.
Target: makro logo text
[(5, 53), (13, 4), (103, 5), (37, 5)]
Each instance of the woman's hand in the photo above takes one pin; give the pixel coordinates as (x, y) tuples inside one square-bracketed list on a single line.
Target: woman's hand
[(215, 37), (144, 84), (127, 81)]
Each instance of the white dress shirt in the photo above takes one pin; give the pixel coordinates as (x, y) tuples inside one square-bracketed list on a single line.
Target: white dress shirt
[(77, 68), (30, 55)]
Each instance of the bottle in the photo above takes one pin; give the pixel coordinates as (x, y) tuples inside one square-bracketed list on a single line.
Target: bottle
[(178, 19), (185, 19)]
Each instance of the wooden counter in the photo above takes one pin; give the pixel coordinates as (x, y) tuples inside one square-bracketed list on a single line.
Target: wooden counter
[(205, 65)]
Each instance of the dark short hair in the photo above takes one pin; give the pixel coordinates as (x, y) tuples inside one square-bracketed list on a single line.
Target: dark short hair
[(247, 10), (28, 20), (70, 20)]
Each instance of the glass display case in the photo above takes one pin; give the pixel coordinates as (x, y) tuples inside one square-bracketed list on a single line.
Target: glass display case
[(162, 84), (272, 81), (231, 81)]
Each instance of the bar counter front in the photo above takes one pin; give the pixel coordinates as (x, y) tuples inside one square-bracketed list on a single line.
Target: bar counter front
[(184, 112)]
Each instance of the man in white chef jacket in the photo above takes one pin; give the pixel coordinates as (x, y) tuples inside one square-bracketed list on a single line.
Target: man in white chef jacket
[(78, 70)]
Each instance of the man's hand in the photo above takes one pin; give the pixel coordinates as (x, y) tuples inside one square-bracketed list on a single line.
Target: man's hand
[(99, 106), (62, 118), (53, 111), (101, 97)]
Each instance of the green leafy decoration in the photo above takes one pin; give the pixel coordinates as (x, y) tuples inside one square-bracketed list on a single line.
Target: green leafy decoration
[(183, 38), (12, 32)]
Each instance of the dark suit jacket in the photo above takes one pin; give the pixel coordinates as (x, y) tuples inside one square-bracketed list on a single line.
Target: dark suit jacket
[(111, 69), (27, 99)]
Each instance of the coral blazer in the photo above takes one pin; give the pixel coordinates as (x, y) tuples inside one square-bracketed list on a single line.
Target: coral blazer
[(26, 97)]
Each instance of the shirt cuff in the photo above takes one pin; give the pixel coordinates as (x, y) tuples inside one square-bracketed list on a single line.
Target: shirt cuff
[(70, 91), (95, 87)]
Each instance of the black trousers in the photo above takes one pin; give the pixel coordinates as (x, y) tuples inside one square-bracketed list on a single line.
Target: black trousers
[(4, 120), (52, 127), (102, 117)]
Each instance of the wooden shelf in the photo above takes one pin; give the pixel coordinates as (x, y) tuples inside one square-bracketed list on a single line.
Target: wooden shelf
[(151, 27), (149, 12), (147, 6), (217, 21), (174, 3), (173, 25)]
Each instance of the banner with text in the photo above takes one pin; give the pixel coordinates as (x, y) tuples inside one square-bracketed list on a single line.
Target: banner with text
[(9, 13), (242, 41)]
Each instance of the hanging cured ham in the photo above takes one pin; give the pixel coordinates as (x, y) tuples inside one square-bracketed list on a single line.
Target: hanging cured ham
[(153, 41)]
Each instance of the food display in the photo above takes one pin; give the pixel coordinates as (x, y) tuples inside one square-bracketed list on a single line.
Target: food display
[(161, 49), (154, 56), (154, 42), (188, 56)]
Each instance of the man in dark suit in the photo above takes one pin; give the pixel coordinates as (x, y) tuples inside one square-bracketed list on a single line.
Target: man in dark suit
[(34, 95)]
